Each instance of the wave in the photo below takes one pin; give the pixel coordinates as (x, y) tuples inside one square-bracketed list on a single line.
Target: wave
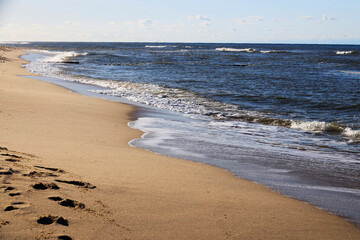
[(274, 51), (223, 49), (345, 52), (156, 46), (317, 126), (354, 134), (59, 57)]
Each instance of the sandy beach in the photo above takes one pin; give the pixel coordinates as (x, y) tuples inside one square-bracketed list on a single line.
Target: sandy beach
[(67, 172)]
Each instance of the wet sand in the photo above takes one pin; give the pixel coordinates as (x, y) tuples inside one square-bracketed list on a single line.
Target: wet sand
[(67, 170)]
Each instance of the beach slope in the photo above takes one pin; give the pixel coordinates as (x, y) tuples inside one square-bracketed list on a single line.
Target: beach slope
[(66, 170)]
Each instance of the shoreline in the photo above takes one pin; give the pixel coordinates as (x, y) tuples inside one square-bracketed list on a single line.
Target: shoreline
[(148, 195)]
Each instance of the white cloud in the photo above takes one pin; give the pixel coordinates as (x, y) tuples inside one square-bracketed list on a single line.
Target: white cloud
[(242, 21), (249, 20), (202, 18), (308, 17), (110, 23), (257, 18), (198, 18), (145, 23), (328, 18), (205, 20)]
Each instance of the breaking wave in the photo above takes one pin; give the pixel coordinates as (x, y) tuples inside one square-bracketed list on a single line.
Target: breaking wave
[(223, 49), (345, 52), (156, 46), (317, 126), (274, 51), (59, 57)]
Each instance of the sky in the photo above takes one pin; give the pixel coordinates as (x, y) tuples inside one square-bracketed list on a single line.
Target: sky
[(235, 21)]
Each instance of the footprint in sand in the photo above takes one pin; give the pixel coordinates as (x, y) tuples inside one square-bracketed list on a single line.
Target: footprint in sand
[(14, 194), (47, 220), (68, 202), (20, 204), (9, 171), (77, 183), (44, 186), (10, 155), (15, 206), (9, 189), (51, 169), (64, 237), (12, 160), (10, 208), (39, 174)]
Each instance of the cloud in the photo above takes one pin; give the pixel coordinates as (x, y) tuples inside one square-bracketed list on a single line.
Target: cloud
[(328, 18), (257, 18), (198, 18), (205, 20), (249, 20), (110, 23), (202, 18), (242, 21), (307, 17), (145, 23)]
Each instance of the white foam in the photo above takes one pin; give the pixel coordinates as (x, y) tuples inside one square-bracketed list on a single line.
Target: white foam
[(57, 56), (315, 126), (273, 51), (344, 52), (156, 46), (60, 57), (223, 49), (355, 134)]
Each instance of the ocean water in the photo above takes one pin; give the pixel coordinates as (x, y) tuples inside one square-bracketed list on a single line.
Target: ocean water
[(286, 116)]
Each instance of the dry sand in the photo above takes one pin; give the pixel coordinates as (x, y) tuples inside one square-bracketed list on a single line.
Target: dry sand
[(51, 137)]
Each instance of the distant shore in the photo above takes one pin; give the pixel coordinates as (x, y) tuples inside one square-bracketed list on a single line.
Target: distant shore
[(67, 170)]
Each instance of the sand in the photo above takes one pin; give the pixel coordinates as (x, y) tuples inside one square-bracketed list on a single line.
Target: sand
[(74, 149)]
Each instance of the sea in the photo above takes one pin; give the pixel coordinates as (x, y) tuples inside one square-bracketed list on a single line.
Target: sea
[(286, 116)]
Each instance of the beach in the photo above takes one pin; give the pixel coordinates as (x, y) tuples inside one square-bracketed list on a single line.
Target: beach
[(110, 190)]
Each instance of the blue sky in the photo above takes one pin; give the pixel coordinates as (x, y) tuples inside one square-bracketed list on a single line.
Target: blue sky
[(252, 21)]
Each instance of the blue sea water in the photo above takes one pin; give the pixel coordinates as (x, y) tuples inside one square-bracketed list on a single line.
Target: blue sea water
[(286, 116)]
